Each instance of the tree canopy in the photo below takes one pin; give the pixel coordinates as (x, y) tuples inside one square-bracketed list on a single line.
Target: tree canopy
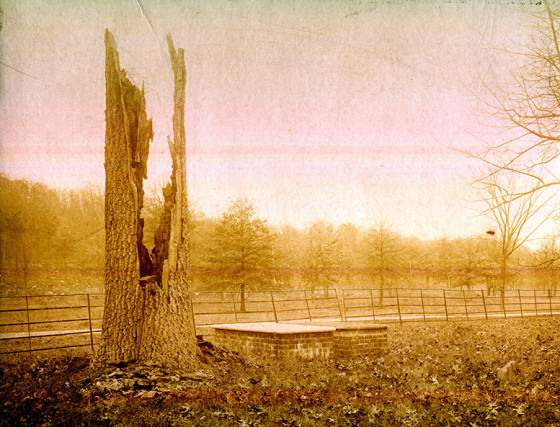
[(242, 247)]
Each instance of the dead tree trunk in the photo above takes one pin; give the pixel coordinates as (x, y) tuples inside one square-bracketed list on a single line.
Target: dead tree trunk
[(148, 314)]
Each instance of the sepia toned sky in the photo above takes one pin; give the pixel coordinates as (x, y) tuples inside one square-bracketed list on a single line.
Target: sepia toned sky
[(314, 110)]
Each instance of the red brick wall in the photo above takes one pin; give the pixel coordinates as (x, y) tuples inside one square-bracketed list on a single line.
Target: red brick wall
[(359, 342), (344, 342), (306, 345)]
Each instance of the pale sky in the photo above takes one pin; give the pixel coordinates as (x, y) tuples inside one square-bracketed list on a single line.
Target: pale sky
[(314, 110)]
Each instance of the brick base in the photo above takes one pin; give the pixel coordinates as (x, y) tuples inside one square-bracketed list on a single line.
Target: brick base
[(350, 342), (275, 340), (339, 339)]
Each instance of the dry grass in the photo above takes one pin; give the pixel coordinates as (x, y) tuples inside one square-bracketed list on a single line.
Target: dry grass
[(432, 374)]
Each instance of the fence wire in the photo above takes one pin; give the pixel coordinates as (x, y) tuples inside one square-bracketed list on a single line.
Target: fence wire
[(36, 323)]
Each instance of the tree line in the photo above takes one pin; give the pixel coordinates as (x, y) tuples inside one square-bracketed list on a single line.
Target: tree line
[(41, 226), (44, 227)]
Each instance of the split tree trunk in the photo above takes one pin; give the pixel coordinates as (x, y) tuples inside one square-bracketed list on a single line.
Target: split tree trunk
[(148, 311)]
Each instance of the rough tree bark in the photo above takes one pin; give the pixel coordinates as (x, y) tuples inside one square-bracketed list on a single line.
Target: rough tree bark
[(148, 310)]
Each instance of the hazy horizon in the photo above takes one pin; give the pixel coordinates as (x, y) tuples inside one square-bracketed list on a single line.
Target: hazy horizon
[(337, 111)]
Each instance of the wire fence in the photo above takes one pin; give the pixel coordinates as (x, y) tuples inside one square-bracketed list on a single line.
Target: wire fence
[(34, 323), (41, 323)]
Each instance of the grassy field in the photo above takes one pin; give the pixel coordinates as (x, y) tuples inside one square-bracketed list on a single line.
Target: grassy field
[(435, 373)]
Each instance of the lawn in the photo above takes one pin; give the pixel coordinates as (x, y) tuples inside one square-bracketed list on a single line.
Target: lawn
[(440, 373)]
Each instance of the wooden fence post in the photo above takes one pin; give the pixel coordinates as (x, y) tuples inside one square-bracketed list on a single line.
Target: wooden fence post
[(504, 302), (273, 307), (422, 301), (28, 326), (484, 304), (550, 300), (445, 303), (465, 301), (398, 305), (520, 302), (344, 306), (234, 308), (372, 304), (90, 328), (338, 303), (307, 303)]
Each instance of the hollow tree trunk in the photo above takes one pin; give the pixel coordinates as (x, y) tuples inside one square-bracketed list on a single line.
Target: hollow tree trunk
[(169, 332), (148, 313)]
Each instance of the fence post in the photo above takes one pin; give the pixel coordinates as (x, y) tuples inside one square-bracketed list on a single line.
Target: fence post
[(423, 308), (28, 326), (398, 305), (234, 308), (273, 307), (445, 304), (536, 307), (550, 300), (520, 302), (484, 304), (465, 301), (307, 304), (344, 306), (372, 304), (504, 302), (338, 303), (89, 318)]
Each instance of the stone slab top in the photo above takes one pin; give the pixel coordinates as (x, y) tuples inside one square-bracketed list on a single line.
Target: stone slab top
[(353, 325), (275, 328)]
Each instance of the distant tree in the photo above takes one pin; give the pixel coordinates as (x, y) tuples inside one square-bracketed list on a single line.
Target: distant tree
[(384, 251), (29, 223), (288, 247), (445, 257), (81, 240), (152, 211), (288, 252), (515, 218), (546, 262), (415, 256), (321, 255), (242, 248), (474, 258), (202, 230), (348, 258)]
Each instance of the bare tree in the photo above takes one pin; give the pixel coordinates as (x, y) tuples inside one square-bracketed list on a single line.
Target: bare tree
[(520, 167), (148, 311), (516, 219), (530, 112), (546, 263)]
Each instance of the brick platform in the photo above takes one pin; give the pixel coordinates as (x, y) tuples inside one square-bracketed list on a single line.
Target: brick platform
[(319, 339), (357, 338), (270, 339)]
